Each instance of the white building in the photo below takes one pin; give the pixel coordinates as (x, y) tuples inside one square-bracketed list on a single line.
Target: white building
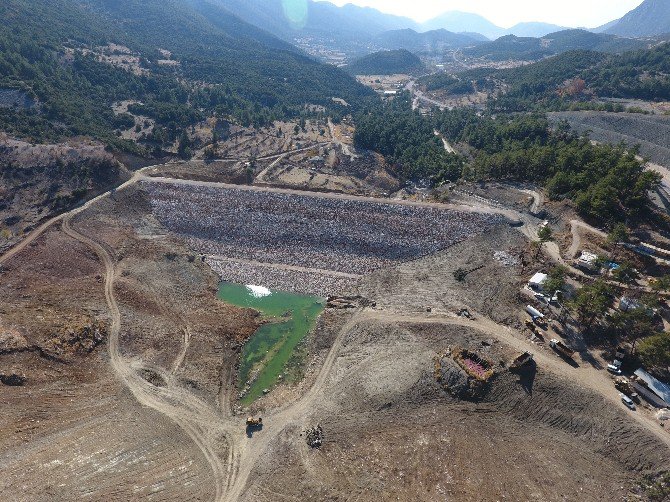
[(657, 387), (537, 281)]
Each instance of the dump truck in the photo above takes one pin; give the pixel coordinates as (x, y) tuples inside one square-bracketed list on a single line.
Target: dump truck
[(625, 386), (521, 361), (254, 422), (561, 348)]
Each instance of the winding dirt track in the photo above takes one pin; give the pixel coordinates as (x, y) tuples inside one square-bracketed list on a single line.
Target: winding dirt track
[(183, 408), (576, 225), (206, 425)]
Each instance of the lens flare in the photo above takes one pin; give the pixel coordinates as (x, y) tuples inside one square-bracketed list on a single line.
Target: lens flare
[(295, 12)]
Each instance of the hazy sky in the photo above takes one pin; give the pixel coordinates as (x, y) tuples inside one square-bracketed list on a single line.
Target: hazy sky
[(505, 13)]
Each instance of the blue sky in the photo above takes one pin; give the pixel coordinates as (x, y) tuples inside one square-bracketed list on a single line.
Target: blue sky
[(505, 13)]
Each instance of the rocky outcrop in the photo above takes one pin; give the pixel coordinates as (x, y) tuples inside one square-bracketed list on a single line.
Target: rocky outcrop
[(79, 340), (315, 437), (12, 341)]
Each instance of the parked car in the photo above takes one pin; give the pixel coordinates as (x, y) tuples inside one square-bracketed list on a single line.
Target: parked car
[(627, 401), (615, 370)]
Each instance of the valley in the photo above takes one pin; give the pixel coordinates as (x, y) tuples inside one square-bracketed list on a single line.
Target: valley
[(261, 251), (168, 347)]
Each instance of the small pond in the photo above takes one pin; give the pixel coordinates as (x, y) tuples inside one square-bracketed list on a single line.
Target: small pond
[(269, 353)]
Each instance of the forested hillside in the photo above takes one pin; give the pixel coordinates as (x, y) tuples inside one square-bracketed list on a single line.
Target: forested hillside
[(528, 48), (546, 84), (579, 76), (605, 183), (182, 60), (386, 63), (573, 80), (640, 74), (407, 139)]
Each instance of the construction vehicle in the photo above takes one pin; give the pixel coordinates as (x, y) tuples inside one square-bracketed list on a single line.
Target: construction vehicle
[(254, 422), (623, 385), (520, 361), (537, 316), (561, 348), (531, 325)]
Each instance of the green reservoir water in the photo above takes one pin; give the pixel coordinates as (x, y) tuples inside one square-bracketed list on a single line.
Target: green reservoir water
[(268, 352)]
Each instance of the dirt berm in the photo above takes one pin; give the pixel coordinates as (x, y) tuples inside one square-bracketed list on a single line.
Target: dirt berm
[(392, 433)]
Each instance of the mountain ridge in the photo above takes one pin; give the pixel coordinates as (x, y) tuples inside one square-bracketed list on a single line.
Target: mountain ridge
[(428, 41), (651, 17), (532, 48), (318, 18), (459, 21)]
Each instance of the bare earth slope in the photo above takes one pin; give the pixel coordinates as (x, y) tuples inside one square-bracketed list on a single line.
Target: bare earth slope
[(130, 391)]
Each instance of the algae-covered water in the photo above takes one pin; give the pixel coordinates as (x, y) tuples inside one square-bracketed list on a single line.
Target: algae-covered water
[(268, 352)]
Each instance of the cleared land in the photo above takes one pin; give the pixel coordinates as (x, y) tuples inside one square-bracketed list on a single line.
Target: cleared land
[(154, 416), (651, 132)]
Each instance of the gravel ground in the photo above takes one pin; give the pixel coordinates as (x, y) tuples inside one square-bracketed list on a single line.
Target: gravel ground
[(341, 235), (308, 283)]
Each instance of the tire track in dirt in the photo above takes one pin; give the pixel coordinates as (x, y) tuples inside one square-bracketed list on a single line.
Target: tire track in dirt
[(276, 423), (575, 226), (182, 353), (164, 400)]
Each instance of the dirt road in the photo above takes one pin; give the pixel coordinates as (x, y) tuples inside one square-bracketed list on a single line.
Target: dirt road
[(49, 223), (420, 96), (206, 425), (193, 415), (445, 142), (281, 266), (575, 226), (477, 208)]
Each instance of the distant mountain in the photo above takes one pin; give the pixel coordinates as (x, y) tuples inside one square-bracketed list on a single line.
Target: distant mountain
[(536, 30), (477, 36), (532, 49), (429, 41), (460, 22), (652, 17), (605, 27), (319, 19), (457, 22), (386, 63)]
